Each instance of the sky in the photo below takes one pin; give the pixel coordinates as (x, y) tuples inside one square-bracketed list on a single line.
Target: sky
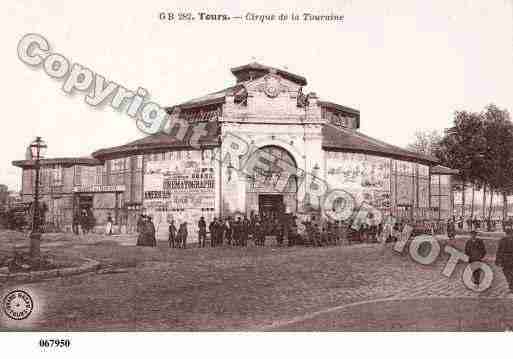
[(406, 65)]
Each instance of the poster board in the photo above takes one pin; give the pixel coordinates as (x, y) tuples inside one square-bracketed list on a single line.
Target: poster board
[(181, 188)]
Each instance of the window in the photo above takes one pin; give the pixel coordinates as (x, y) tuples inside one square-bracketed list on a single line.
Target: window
[(99, 175), (57, 176), (138, 162), (441, 195), (77, 180), (117, 171)]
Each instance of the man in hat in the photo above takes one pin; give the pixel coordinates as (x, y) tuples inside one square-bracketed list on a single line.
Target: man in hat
[(172, 234), (108, 228), (140, 223), (245, 231), (202, 232), (76, 222), (182, 234), (504, 257), (150, 233), (237, 232), (475, 250), (212, 228), (451, 229)]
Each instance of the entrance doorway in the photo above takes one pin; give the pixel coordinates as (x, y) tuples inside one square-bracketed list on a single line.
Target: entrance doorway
[(85, 202), (272, 185), (271, 205)]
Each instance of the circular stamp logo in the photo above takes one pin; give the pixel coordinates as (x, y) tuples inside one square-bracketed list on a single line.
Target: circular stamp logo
[(18, 305)]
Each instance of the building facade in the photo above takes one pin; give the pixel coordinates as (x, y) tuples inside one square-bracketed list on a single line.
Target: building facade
[(247, 137)]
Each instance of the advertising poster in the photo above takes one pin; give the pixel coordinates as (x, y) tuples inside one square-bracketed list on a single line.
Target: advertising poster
[(365, 177), (180, 189)]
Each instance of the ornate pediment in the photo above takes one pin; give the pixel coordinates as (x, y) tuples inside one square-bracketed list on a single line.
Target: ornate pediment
[(272, 85)]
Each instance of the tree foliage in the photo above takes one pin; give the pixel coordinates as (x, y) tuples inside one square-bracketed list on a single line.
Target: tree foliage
[(498, 133), (426, 142), (463, 147), (480, 146)]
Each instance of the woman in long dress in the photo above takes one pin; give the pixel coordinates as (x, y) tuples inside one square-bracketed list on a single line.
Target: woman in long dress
[(141, 224), (150, 233), (108, 228)]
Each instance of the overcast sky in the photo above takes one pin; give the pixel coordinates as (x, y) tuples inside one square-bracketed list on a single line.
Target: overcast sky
[(406, 65)]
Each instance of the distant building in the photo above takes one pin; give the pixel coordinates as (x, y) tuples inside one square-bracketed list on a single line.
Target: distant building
[(4, 196), (168, 178), (13, 199)]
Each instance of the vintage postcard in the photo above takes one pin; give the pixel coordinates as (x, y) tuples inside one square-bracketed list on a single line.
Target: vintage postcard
[(180, 166)]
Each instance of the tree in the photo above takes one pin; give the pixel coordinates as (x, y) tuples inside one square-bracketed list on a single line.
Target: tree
[(463, 147), (498, 165), (426, 142), (480, 146)]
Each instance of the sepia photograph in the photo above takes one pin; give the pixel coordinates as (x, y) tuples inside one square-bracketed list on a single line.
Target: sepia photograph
[(266, 171)]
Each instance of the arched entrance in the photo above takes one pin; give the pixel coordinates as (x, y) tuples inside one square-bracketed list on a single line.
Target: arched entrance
[(271, 183)]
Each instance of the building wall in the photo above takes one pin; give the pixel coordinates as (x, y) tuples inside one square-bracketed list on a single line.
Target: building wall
[(270, 121), (400, 188), (62, 188)]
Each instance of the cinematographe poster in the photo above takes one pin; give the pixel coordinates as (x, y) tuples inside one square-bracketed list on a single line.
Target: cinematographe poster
[(365, 177), (181, 189)]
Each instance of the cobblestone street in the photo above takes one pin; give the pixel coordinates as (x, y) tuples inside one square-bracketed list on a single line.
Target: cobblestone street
[(357, 287)]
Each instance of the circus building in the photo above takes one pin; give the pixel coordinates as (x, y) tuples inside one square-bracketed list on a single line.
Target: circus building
[(250, 133)]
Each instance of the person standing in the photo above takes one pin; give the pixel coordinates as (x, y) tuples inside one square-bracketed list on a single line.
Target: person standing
[(245, 231), (237, 232), (258, 233), (172, 234), (140, 223), (141, 229), (220, 231), (504, 257), (460, 223), (475, 250), (228, 231), (293, 232), (278, 231), (108, 228), (317, 235), (451, 229), (477, 223), (202, 232), (150, 228), (507, 224), (84, 222), (212, 228), (76, 222), (182, 234)]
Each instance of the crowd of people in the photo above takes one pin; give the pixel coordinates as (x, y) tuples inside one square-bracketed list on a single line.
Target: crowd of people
[(83, 221), (487, 224), (239, 231), (283, 229)]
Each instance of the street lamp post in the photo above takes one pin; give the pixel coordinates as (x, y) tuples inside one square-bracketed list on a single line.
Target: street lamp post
[(37, 149)]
